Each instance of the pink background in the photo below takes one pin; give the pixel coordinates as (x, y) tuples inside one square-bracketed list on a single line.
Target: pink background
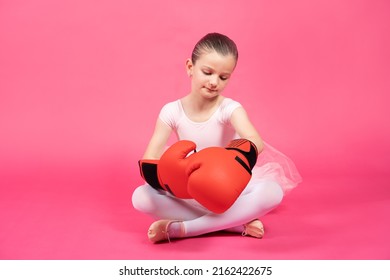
[(82, 82)]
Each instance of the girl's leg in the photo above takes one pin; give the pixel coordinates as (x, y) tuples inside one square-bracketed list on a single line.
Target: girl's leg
[(257, 199), (162, 206)]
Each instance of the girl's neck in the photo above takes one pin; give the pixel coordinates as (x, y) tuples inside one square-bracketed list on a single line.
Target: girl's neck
[(199, 109), (199, 103)]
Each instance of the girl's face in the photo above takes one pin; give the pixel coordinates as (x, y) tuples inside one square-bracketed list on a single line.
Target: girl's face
[(211, 73)]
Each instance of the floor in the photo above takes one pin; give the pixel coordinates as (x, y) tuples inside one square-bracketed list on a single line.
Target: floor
[(85, 213)]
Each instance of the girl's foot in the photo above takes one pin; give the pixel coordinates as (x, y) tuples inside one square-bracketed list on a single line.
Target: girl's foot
[(254, 228), (164, 230)]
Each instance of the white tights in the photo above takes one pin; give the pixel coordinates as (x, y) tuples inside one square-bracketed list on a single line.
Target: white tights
[(258, 198)]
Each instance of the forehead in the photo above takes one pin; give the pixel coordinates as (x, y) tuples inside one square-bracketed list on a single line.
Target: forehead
[(217, 61)]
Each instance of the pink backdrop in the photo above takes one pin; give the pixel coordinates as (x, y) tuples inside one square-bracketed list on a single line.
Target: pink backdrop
[(82, 82)]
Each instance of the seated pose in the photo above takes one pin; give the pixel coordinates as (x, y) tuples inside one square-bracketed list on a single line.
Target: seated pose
[(197, 202)]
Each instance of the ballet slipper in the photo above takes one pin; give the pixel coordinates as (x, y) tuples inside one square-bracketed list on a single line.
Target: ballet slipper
[(158, 231), (254, 228)]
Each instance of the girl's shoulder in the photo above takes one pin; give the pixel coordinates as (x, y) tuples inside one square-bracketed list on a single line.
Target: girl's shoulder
[(227, 107), (171, 112), (172, 105), (229, 104)]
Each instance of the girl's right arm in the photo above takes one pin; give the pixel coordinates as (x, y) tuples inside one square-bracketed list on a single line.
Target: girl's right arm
[(157, 142)]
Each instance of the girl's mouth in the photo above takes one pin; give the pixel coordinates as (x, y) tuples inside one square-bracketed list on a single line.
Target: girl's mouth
[(211, 90)]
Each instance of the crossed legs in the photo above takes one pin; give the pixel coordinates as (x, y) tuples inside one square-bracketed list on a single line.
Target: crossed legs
[(186, 218)]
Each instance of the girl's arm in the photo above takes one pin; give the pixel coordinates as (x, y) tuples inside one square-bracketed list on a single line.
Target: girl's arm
[(158, 141), (245, 129)]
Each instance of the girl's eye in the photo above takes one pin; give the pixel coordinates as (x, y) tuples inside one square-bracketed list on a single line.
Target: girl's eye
[(206, 73), (223, 78)]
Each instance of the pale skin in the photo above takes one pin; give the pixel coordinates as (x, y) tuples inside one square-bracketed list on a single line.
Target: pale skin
[(209, 76)]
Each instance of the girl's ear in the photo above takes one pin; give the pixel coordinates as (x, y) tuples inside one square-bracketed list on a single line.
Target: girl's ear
[(189, 67)]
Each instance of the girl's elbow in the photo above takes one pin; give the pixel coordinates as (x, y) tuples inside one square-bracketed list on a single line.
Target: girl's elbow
[(259, 146)]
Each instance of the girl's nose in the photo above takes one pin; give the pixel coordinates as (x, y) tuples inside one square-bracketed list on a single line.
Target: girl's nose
[(213, 82)]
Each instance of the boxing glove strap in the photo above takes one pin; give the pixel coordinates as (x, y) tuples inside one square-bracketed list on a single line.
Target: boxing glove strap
[(243, 164), (148, 171), (250, 155)]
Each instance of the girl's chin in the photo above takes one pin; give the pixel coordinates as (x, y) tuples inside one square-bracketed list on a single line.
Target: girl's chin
[(210, 95), (210, 92)]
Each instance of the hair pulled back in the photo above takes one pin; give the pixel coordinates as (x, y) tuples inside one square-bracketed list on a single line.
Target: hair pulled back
[(214, 42)]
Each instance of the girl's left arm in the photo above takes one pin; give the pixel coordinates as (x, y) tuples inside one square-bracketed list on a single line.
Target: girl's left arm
[(244, 127)]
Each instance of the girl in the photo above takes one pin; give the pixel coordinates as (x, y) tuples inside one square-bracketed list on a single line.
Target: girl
[(207, 118)]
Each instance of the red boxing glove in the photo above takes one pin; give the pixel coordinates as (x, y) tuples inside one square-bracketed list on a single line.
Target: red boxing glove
[(173, 166), (169, 173), (217, 176), (214, 176)]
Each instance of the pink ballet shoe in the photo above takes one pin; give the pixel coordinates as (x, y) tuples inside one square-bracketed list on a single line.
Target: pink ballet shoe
[(158, 231), (254, 228)]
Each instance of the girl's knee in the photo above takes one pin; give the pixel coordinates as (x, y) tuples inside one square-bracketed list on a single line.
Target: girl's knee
[(275, 192), (271, 194), (141, 199)]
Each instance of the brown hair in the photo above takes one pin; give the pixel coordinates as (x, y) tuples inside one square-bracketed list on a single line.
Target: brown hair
[(214, 42)]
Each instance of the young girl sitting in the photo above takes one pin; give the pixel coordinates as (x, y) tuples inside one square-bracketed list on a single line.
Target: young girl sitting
[(207, 118)]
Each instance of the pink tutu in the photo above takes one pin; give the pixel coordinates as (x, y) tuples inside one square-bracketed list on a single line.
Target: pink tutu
[(274, 165)]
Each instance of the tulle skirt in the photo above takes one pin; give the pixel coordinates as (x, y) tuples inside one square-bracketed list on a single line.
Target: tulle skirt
[(274, 165)]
